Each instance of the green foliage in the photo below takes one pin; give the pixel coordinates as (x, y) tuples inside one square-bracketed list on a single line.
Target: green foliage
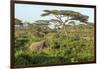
[(18, 22), (78, 46), (64, 13)]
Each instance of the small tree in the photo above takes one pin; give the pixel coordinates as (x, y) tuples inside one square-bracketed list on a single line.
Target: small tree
[(18, 22), (41, 27), (63, 16)]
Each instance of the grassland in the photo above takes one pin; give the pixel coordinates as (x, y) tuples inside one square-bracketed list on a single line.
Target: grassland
[(77, 46)]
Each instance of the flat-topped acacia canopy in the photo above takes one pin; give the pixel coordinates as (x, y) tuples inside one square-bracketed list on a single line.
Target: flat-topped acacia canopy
[(66, 13)]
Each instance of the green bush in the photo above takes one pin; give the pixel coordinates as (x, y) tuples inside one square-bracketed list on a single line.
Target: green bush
[(78, 46)]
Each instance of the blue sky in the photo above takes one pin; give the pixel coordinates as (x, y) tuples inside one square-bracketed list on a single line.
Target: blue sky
[(31, 13)]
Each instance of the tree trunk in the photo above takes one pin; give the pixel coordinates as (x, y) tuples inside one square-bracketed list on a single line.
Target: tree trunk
[(65, 30)]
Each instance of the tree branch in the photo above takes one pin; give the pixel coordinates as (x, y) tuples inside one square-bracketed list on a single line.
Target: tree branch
[(68, 18), (59, 17)]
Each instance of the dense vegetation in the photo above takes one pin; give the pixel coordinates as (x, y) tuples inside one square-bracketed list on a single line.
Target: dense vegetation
[(77, 45)]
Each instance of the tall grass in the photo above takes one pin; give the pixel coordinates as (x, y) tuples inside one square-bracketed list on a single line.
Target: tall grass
[(78, 46)]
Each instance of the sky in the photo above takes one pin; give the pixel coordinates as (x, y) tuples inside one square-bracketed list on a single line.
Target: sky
[(31, 12)]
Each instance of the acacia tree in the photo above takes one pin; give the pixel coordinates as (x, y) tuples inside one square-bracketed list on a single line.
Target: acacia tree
[(18, 21), (63, 16)]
